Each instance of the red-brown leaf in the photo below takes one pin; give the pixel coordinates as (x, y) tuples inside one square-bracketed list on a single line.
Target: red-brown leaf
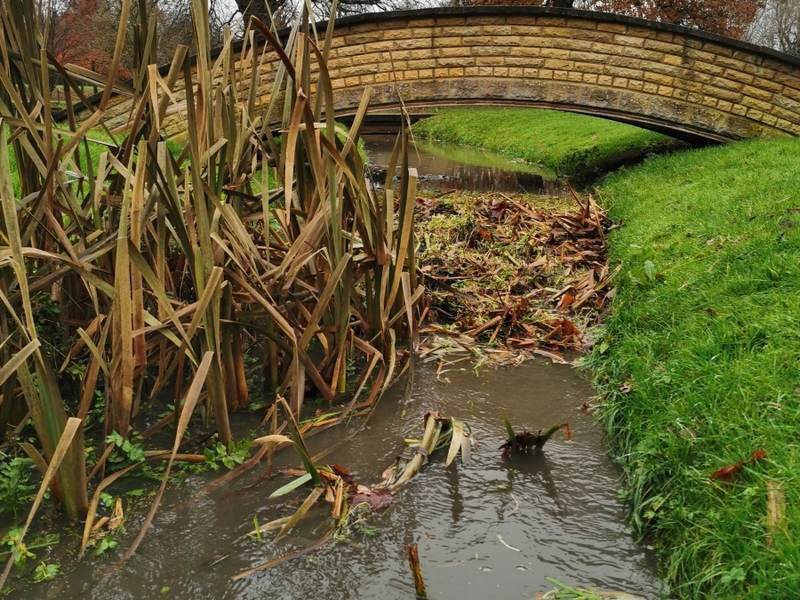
[(728, 472), (377, 498), (565, 303)]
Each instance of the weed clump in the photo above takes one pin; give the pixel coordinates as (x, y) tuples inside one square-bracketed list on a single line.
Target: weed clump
[(521, 271)]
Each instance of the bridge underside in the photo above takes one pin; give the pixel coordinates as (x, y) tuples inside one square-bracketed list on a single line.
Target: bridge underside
[(694, 135)]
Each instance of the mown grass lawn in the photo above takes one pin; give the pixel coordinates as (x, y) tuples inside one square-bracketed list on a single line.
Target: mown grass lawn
[(569, 144)]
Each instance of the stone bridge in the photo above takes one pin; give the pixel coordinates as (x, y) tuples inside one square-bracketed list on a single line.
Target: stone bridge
[(683, 82)]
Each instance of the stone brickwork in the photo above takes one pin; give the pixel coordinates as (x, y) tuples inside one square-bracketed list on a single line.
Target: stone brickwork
[(654, 75)]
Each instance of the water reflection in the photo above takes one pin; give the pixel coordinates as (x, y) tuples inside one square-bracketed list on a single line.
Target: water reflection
[(442, 167), (454, 491)]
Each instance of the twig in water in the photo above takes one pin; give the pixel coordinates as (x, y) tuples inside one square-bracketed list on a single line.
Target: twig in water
[(502, 541), (416, 571), (516, 505)]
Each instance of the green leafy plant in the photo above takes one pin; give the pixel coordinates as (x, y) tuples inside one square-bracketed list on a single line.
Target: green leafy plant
[(46, 572), (126, 451), (232, 455), (11, 539), (15, 492), (106, 544)]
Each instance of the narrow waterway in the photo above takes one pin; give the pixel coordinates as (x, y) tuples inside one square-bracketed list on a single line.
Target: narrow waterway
[(441, 167), (494, 529)]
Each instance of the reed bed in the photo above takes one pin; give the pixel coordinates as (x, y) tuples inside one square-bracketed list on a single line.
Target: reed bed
[(259, 238)]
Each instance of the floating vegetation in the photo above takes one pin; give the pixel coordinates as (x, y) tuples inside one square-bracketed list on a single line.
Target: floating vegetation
[(352, 503), (565, 592), (520, 273), (440, 432)]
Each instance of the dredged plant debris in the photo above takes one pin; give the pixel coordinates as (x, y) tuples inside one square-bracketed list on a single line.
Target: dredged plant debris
[(522, 272)]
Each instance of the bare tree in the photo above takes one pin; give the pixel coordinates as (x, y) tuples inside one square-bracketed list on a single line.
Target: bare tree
[(553, 3), (279, 11), (777, 25), (82, 32)]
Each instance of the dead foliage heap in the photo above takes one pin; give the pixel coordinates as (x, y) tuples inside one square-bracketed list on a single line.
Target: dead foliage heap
[(526, 272)]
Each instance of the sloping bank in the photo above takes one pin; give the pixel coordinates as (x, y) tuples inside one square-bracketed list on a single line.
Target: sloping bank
[(700, 363), (568, 144)]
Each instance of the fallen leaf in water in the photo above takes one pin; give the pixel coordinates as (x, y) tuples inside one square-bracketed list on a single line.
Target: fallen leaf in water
[(340, 470), (502, 541), (554, 356), (728, 472), (377, 498)]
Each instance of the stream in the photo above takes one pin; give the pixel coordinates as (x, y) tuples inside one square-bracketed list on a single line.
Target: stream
[(443, 167), (493, 529)]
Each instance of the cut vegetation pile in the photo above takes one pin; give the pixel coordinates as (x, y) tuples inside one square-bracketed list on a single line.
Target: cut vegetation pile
[(526, 272), (700, 363)]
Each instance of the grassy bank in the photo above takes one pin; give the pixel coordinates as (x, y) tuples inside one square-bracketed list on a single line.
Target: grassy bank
[(567, 143), (700, 363)]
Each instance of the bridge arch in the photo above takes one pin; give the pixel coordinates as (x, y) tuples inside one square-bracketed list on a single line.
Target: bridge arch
[(687, 83)]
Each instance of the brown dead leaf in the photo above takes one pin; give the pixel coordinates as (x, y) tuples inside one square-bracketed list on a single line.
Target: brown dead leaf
[(117, 516), (728, 472), (776, 508), (566, 301), (376, 498), (498, 209)]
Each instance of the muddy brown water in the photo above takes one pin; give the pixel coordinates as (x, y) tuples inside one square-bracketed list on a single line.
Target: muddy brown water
[(558, 509), (442, 167)]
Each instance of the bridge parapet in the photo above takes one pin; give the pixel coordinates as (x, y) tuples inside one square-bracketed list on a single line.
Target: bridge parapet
[(663, 77)]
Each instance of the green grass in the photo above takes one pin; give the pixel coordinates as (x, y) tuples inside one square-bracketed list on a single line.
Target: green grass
[(705, 333), (569, 144)]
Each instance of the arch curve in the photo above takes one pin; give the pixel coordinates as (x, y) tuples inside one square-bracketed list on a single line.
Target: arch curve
[(690, 84)]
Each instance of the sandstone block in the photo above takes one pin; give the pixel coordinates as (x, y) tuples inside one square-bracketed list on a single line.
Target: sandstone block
[(629, 40), (754, 92), (634, 103), (493, 89), (612, 27), (489, 21)]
